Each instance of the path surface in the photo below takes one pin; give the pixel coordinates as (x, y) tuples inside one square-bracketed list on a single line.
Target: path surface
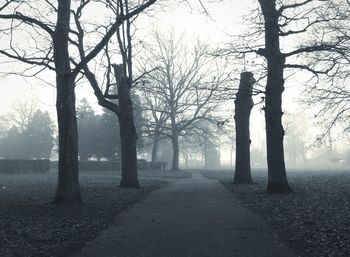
[(190, 218)]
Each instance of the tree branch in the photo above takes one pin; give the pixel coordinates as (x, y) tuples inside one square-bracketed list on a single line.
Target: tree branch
[(28, 20)]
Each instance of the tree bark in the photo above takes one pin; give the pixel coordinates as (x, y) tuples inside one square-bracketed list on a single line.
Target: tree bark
[(243, 106), (128, 137), (176, 151), (68, 190), (277, 177)]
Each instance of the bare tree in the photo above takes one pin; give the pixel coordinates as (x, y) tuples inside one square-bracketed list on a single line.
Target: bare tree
[(243, 106), (186, 82), (117, 96), (275, 22), (156, 117), (298, 136), (50, 22), (331, 92)]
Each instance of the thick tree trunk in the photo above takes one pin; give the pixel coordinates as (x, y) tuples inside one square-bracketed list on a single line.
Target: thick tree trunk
[(243, 106), (155, 147), (68, 190), (176, 151), (277, 177), (128, 138)]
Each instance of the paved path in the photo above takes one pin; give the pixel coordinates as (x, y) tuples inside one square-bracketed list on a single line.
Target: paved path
[(190, 218)]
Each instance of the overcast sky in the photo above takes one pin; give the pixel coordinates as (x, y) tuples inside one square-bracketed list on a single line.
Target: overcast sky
[(225, 17)]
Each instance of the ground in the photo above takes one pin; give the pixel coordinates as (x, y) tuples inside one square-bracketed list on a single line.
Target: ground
[(315, 220), (30, 225)]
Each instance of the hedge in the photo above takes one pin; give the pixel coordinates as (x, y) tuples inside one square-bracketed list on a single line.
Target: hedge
[(24, 166), (113, 165)]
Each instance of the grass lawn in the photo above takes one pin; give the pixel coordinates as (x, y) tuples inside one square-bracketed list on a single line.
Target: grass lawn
[(315, 220)]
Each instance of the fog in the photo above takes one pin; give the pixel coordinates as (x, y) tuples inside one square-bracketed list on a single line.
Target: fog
[(302, 147), (174, 128)]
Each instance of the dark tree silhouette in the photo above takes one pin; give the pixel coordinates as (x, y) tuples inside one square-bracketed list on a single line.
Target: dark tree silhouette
[(123, 74), (243, 106), (272, 21), (55, 55), (277, 179)]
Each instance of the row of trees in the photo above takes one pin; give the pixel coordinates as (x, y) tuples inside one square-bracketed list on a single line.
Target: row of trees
[(314, 33), (182, 86), (57, 29)]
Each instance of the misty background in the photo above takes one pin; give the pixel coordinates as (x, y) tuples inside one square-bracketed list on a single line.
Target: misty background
[(28, 116)]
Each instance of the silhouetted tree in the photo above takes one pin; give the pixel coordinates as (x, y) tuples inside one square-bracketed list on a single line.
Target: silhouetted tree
[(185, 82), (52, 37), (243, 106), (121, 89), (156, 117), (330, 88), (274, 20)]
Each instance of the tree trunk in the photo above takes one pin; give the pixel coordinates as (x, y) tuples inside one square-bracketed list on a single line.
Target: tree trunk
[(243, 106), (128, 137), (155, 147), (68, 190), (176, 151), (277, 177)]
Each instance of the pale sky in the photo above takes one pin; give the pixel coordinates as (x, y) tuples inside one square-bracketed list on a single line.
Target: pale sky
[(225, 18)]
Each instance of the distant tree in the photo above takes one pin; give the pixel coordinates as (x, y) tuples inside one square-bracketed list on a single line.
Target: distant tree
[(202, 141), (35, 141), (190, 148), (99, 134), (207, 137), (185, 80), (298, 139), (11, 144), (140, 121), (22, 112), (108, 143), (156, 116), (87, 130), (39, 136)]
